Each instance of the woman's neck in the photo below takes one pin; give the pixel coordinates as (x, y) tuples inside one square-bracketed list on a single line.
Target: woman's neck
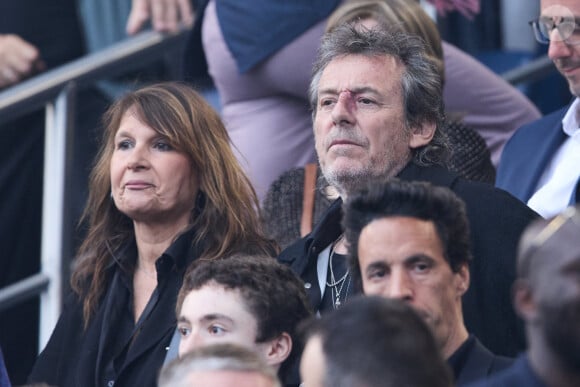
[(153, 240)]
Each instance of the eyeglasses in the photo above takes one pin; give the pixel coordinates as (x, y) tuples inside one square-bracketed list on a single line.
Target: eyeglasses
[(568, 30)]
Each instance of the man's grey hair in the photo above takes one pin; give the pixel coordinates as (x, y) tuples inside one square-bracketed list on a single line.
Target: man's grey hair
[(218, 357), (421, 83)]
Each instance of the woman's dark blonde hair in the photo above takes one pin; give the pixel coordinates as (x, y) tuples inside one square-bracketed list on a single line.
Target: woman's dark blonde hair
[(404, 15), (226, 216)]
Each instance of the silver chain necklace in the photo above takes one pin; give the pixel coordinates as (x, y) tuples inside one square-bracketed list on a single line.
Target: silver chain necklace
[(335, 285)]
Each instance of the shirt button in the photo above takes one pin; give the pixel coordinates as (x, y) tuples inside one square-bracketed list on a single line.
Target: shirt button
[(110, 383), (307, 285)]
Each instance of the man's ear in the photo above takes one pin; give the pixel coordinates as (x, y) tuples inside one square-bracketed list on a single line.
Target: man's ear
[(422, 134), (277, 350), (462, 279), (524, 303)]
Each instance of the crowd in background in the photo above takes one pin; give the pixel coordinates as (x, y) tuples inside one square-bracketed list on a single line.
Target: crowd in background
[(363, 174)]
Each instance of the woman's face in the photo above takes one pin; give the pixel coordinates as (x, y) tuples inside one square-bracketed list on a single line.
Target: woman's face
[(151, 181)]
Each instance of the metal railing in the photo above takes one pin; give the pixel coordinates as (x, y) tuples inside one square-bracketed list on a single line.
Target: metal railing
[(56, 89)]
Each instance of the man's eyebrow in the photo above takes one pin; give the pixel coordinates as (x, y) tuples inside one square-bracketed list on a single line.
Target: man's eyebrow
[(183, 319), (356, 90), (376, 265), (419, 257), (216, 316)]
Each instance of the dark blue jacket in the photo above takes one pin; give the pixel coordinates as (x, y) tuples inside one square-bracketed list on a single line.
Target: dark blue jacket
[(520, 374), (472, 361), (527, 154), (255, 29)]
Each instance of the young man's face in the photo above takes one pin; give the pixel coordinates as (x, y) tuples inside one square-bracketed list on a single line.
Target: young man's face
[(213, 314)]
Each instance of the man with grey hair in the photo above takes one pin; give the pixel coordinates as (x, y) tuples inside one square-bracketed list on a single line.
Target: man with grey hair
[(377, 113), (547, 297), (219, 365)]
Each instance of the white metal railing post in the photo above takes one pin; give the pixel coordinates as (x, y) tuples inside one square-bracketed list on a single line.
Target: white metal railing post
[(56, 152)]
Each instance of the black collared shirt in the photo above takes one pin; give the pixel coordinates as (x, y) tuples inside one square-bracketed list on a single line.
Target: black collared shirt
[(121, 334), (457, 360)]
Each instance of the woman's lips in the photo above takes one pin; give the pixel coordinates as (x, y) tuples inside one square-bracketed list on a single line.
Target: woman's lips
[(136, 185)]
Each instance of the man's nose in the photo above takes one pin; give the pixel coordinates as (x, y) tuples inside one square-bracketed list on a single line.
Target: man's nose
[(190, 343), (558, 48), (400, 286), (344, 107)]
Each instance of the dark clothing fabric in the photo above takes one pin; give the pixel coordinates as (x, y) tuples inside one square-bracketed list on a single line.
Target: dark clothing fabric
[(520, 374), (472, 361), (527, 154), (114, 349), (52, 26), (496, 220), (255, 29), (4, 379)]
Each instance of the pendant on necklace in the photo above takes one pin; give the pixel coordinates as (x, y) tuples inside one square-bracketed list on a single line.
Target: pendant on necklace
[(337, 303)]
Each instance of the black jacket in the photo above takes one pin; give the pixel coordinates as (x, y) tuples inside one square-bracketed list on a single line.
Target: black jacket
[(496, 219), (472, 361)]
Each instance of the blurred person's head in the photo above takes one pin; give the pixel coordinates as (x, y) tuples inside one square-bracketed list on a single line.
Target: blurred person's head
[(165, 160), (219, 365), (377, 105), (410, 241), (372, 342), (547, 289), (248, 300)]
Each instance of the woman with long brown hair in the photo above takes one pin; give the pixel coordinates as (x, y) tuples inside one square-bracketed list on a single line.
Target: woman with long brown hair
[(166, 190)]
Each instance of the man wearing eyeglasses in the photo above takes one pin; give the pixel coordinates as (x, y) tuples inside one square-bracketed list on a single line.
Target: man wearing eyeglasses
[(540, 163), (547, 297)]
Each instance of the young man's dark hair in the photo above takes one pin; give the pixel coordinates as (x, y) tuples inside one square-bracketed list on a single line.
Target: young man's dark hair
[(372, 342), (271, 292)]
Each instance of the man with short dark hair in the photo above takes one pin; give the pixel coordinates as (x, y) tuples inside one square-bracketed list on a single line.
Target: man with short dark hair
[(547, 297), (248, 300), (219, 365), (377, 112), (372, 342), (410, 241)]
